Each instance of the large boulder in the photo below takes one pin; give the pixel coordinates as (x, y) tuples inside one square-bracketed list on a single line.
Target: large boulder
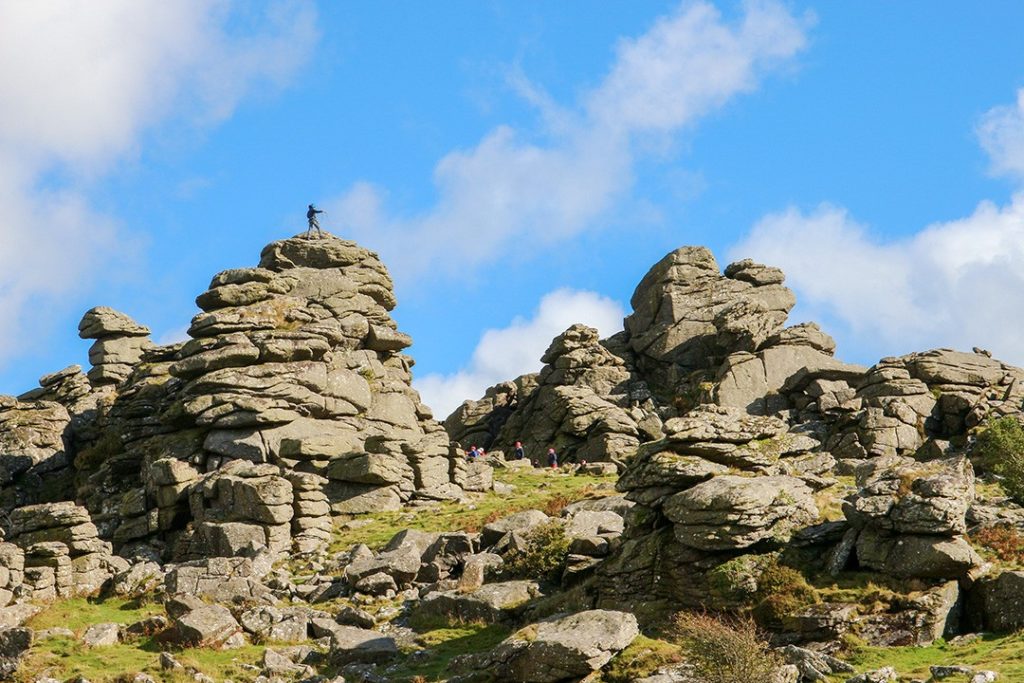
[(14, 643), (199, 624), (563, 649), (490, 603), (352, 644), (905, 496), (1000, 601), (732, 512)]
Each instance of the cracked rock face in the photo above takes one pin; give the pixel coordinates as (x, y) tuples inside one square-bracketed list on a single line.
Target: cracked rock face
[(730, 512), (294, 366), (585, 403), (688, 316)]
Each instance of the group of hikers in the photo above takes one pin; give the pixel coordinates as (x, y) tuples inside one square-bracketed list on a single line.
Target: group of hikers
[(475, 453)]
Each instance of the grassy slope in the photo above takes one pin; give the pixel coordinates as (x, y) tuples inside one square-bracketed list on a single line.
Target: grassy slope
[(1002, 654), (540, 489), (64, 658), (545, 490)]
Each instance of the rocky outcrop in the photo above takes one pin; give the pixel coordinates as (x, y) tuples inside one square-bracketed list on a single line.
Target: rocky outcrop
[(292, 401), (63, 555), (903, 404), (688, 316), (478, 423), (585, 403), (911, 517)]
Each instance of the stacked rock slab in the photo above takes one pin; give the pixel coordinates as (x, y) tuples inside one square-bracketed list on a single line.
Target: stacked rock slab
[(909, 517), (12, 571), (241, 508), (587, 404), (720, 482), (119, 344), (63, 555), (297, 362), (793, 370), (904, 403)]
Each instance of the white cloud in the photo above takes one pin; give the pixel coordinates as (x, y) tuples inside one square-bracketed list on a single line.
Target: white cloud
[(1001, 132), (509, 188), (504, 354), (79, 86), (958, 283)]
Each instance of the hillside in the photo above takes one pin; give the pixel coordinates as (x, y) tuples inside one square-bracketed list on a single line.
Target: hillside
[(271, 500)]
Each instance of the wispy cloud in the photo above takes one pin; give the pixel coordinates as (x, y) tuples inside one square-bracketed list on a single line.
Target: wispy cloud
[(957, 283), (511, 187), (504, 354), (79, 87)]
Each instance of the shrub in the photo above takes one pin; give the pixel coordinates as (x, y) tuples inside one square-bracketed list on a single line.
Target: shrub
[(642, 658), (1000, 448), (1003, 541), (725, 650), (544, 554)]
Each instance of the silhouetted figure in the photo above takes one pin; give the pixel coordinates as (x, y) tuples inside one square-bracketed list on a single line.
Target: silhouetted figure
[(311, 213)]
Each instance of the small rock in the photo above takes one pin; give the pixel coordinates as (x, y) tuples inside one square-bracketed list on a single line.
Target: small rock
[(168, 662), (883, 675), (101, 635)]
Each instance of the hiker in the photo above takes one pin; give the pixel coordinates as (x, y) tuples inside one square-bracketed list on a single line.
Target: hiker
[(472, 454), (519, 452), (552, 459), (311, 213)]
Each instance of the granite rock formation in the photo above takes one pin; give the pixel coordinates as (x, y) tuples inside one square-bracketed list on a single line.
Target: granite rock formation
[(291, 402)]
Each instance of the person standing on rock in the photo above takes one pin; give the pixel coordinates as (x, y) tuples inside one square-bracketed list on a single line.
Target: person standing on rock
[(519, 453), (311, 213), (552, 459), (471, 454)]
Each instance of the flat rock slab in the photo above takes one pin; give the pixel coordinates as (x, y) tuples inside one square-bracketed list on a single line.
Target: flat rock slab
[(352, 644), (564, 649)]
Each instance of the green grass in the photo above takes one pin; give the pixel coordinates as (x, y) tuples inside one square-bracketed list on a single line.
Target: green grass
[(1002, 654), (64, 658), (642, 658), (444, 644), (79, 613), (537, 489)]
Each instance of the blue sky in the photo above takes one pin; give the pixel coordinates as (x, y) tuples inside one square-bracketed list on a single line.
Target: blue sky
[(518, 164)]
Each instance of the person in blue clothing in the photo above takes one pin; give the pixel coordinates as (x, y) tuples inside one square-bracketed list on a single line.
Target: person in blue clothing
[(311, 213), (519, 453), (552, 458), (472, 454)]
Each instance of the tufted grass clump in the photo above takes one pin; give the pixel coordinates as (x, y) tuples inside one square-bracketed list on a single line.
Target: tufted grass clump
[(782, 591), (544, 555), (1000, 448), (725, 650), (642, 658)]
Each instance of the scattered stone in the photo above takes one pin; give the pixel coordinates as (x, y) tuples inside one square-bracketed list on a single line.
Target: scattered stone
[(101, 635)]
